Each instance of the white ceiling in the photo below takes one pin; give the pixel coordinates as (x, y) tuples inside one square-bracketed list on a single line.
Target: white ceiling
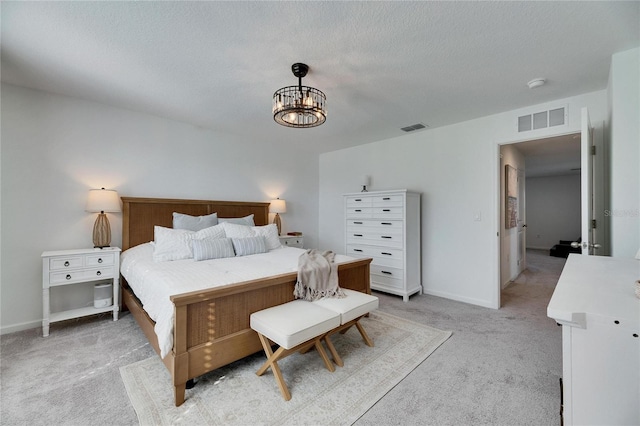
[(383, 65), (554, 156)]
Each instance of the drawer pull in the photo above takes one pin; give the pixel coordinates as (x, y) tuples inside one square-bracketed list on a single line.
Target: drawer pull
[(357, 235), (358, 250), (66, 263), (386, 198), (100, 260), (386, 236), (386, 223), (98, 273), (386, 210), (387, 272), (357, 223), (386, 254), (68, 276), (358, 210), (358, 199)]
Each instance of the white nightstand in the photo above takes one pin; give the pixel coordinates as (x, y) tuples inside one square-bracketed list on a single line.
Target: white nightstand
[(292, 241), (66, 267)]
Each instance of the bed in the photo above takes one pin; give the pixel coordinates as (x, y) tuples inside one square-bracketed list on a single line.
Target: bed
[(211, 327)]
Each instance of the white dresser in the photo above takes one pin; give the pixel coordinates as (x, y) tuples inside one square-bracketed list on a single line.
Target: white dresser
[(385, 226), (594, 301)]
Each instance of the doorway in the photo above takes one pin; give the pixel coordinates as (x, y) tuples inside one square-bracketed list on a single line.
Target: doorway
[(548, 199)]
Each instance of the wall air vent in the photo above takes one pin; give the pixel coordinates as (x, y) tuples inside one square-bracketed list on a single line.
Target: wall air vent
[(414, 127), (543, 119)]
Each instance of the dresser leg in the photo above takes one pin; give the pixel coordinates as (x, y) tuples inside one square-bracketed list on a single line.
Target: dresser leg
[(45, 328)]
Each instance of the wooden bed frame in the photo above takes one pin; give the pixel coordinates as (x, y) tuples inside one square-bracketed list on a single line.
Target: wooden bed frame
[(211, 327)]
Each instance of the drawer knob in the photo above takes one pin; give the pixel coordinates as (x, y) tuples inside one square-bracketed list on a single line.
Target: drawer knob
[(386, 254), (358, 199), (386, 210), (66, 263), (357, 223), (386, 223), (357, 235), (387, 272), (100, 260), (386, 198), (68, 276), (98, 273), (358, 250), (358, 210), (386, 236)]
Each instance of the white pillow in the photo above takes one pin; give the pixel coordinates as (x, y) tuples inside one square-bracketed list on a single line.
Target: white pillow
[(249, 245), (270, 233), (233, 230), (212, 248), (247, 220), (172, 244), (216, 231), (194, 223)]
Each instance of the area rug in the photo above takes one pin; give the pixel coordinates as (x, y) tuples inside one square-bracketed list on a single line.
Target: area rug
[(235, 395)]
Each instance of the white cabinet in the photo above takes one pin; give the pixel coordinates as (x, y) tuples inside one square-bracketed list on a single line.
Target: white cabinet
[(595, 303), (385, 226), (292, 241), (65, 267)]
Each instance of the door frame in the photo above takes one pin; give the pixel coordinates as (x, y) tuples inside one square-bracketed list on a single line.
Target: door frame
[(497, 203)]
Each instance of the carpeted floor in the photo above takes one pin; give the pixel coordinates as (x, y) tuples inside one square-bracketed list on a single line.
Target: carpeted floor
[(500, 367)]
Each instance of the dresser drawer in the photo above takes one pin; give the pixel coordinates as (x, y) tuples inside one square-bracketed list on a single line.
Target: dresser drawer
[(65, 263), (386, 271), (375, 238), (388, 200), (396, 283), (99, 259), (389, 212), (359, 212), (383, 225), (359, 202), (381, 255)]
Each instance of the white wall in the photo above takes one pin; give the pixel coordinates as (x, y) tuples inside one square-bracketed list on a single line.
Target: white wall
[(456, 168), (553, 210), (55, 148), (624, 159)]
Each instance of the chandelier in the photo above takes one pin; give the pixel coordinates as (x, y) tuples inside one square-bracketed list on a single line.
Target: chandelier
[(299, 106)]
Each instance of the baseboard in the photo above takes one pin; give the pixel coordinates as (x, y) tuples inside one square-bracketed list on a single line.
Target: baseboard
[(20, 327), (458, 298)]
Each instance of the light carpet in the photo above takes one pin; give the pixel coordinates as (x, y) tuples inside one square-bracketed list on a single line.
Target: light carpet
[(236, 395)]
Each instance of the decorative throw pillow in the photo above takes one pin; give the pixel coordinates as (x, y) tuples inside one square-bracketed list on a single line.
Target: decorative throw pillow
[(216, 231), (270, 233), (172, 244), (247, 220), (233, 230), (249, 245), (194, 223), (212, 248)]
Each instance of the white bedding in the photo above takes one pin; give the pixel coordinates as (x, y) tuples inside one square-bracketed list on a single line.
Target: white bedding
[(154, 282)]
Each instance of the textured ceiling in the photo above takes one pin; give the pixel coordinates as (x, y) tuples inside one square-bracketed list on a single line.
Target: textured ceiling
[(383, 65)]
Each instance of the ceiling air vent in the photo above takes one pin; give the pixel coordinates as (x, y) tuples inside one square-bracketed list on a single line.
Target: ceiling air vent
[(542, 120), (413, 127)]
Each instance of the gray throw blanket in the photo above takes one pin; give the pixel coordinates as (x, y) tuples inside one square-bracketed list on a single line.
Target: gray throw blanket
[(317, 276)]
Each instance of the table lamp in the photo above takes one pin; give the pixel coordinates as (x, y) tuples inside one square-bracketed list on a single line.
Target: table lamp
[(102, 200), (278, 206)]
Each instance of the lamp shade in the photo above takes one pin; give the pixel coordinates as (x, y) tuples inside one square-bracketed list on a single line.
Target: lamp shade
[(278, 206), (103, 200)]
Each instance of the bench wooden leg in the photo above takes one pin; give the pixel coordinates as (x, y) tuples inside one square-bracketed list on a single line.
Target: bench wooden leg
[(363, 333), (281, 352), (334, 353)]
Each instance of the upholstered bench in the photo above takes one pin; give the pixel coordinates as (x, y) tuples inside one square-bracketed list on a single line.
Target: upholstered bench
[(351, 309), (294, 326)]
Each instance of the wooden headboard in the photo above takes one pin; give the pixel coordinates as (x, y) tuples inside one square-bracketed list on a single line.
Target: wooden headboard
[(140, 215)]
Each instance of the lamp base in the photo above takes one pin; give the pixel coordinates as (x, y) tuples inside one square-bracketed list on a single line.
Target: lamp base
[(278, 223), (101, 232), (364, 188)]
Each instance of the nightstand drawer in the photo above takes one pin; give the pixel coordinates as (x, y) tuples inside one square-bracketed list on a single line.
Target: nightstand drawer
[(99, 259), (81, 275), (65, 263)]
